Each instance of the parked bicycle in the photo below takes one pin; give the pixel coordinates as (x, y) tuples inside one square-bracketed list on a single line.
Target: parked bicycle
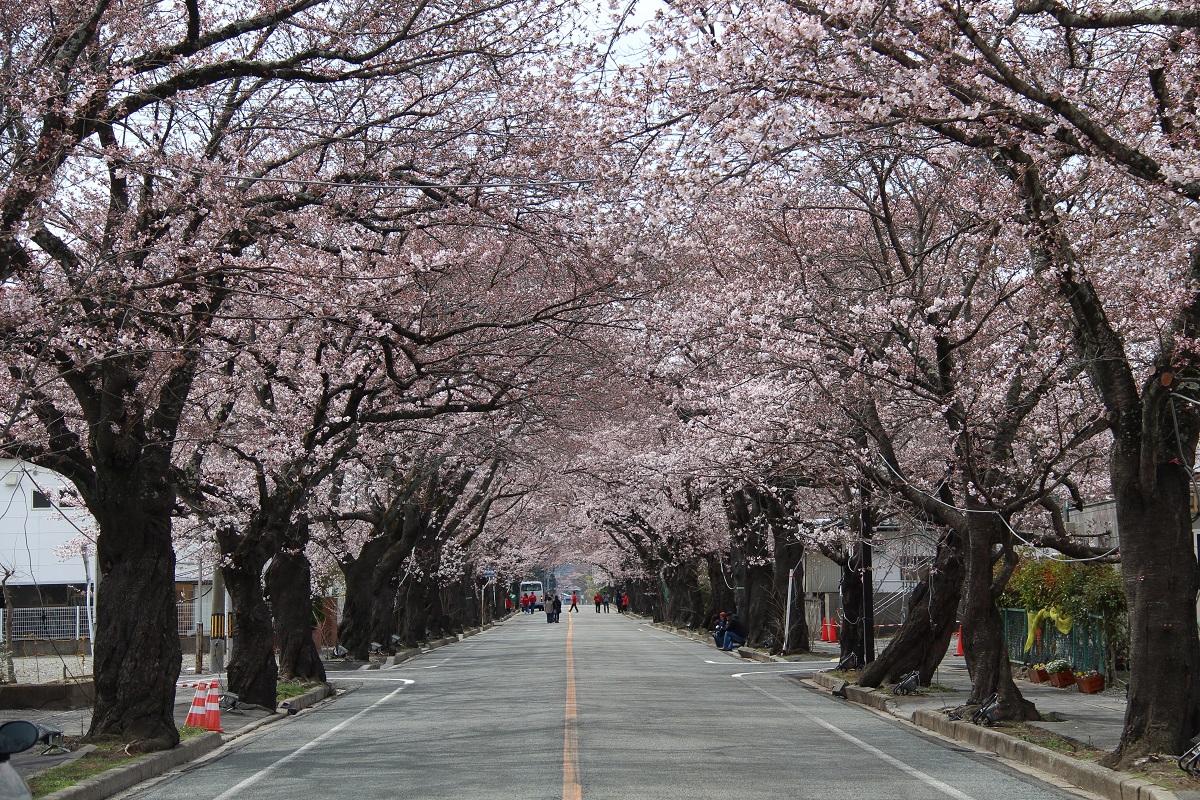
[(1189, 762)]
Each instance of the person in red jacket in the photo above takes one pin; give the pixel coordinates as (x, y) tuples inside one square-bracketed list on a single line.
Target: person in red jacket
[(598, 599), (625, 602)]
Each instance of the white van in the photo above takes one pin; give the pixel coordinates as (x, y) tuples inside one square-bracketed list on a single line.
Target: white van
[(536, 588)]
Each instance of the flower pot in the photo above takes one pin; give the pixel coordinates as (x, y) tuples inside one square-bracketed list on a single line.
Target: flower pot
[(1090, 684), (1038, 676), (1062, 679)]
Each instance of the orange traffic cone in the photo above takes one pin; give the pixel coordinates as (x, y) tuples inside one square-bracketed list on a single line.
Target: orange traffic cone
[(825, 630), (835, 631), (212, 708), (958, 648), (196, 714)]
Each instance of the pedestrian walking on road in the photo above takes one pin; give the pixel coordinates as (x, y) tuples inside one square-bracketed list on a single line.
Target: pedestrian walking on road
[(548, 606), (557, 608), (574, 603), (604, 600), (616, 601), (598, 599), (625, 602)]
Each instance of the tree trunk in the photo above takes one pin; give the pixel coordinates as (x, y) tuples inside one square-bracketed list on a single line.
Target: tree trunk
[(684, 605), (252, 670), (789, 555), (289, 582), (932, 611), (1158, 565), (752, 566), (354, 631), (722, 596), (850, 628), (137, 650), (983, 630)]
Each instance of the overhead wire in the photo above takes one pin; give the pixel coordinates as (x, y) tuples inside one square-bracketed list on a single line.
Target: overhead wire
[(1000, 516)]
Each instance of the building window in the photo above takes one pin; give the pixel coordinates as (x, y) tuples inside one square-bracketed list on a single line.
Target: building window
[(40, 500)]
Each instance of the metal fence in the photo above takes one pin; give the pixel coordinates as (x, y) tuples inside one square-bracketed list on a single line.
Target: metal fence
[(51, 622), (1086, 646), (70, 622), (185, 614)]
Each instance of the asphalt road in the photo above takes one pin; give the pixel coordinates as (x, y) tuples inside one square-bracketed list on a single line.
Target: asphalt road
[(598, 707)]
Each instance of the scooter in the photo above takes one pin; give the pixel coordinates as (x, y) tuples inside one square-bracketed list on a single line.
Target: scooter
[(15, 737)]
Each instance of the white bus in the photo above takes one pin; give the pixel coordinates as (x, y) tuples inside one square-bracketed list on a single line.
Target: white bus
[(536, 588)]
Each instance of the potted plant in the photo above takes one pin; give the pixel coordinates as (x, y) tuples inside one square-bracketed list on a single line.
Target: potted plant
[(1089, 682), (1061, 675), (1037, 674)]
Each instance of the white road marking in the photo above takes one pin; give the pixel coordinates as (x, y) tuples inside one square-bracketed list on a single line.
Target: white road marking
[(234, 790), (775, 672), (923, 777)]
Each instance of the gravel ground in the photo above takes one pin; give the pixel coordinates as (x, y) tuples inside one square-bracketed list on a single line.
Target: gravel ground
[(43, 669)]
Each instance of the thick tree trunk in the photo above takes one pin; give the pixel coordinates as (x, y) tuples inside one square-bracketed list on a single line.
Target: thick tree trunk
[(789, 555), (752, 567), (684, 604), (722, 597), (354, 631), (932, 612), (289, 582), (414, 614), (252, 670), (137, 651), (850, 626), (983, 630), (1159, 570)]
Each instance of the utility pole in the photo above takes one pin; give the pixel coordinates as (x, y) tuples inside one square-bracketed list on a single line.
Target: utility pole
[(196, 616), (216, 625)]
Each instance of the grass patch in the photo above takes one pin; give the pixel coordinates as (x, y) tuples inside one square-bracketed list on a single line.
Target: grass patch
[(286, 690), (1165, 772), (106, 756), (1051, 741), (1160, 770), (190, 732)]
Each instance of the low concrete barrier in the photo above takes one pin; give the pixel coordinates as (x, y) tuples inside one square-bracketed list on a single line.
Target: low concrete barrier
[(49, 696), (303, 701), (148, 766)]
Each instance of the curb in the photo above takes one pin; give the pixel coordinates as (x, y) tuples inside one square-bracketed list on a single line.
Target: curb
[(1094, 778), (755, 655), (744, 652), (149, 766), (302, 701)]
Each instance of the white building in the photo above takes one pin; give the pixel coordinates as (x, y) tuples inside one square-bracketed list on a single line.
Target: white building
[(48, 545), (41, 540)]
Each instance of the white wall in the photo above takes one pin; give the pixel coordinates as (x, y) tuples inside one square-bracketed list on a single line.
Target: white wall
[(29, 536)]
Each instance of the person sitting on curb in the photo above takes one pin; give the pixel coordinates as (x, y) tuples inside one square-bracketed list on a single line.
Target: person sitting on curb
[(718, 633), (735, 634)]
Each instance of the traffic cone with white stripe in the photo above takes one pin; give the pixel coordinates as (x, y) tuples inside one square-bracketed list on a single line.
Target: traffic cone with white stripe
[(212, 708), (197, 714)]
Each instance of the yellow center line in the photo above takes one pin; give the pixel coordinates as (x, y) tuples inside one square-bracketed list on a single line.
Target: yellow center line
[(571, 787)]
